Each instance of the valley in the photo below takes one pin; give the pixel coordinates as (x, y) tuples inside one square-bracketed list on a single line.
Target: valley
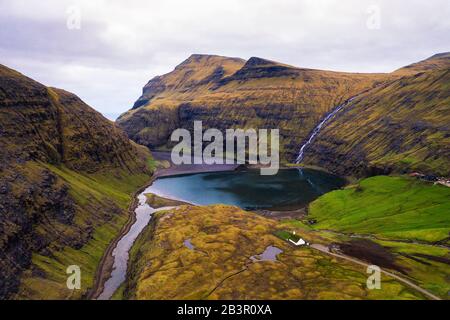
[(67, 176), (411, 215), (177, 251), (78, 189), (416, 268), (219, 265)]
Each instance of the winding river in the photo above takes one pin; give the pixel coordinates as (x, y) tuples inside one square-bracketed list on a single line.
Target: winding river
[(289, 189), (120, 254)]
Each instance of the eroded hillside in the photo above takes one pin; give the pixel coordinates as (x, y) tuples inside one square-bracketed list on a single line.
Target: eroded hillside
[(66, 178), (231, 93), (400, 126)]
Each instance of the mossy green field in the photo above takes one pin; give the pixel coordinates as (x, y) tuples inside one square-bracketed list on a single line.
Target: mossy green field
[(111, 191), (219, 266), (409, 218), (390, 207)]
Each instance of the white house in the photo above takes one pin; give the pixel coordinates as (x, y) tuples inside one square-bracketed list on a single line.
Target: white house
[(300, 242)]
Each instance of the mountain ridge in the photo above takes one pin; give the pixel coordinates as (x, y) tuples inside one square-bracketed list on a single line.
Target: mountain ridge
[(66, 178), (401, 127), (265, 94), (255, 93), (436, 61)]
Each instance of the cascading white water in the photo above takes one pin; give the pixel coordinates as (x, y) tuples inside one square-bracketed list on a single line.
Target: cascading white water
[(319, 127)]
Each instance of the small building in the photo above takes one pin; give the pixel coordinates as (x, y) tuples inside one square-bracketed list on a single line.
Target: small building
[(300, 242)]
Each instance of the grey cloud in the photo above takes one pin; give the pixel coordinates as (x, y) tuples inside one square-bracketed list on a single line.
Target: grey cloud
[(122, 44)]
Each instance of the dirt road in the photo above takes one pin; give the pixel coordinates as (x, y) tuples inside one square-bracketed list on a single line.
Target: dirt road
[(326, 250)]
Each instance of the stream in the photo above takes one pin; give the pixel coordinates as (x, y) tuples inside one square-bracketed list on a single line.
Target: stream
[(248, 190), (121, 253), (317, 129), (290, 188)]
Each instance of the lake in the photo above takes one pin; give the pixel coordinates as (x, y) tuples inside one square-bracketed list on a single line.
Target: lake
[(289, 189)]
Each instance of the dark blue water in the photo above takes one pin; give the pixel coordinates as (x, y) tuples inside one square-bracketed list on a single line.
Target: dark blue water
[(289, 189)]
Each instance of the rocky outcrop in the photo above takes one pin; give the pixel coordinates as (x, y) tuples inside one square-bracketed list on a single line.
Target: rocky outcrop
[(257, 68), (153, 87), (228, 93), (46, 134), (398, 122), (402, 126), (41, 198)]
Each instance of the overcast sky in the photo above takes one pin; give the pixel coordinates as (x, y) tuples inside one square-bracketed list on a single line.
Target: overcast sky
[(120, 45)]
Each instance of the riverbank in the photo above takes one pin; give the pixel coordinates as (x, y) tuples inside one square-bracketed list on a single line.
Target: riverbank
[(158, 202), (105, 267), (165, 169), (207, 252)]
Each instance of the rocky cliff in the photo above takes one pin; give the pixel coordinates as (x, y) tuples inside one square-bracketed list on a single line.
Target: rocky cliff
[(59, 160), (228, 93), (401, 126), (398, 122)]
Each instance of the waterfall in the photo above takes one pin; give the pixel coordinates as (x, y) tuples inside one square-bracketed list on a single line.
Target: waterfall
[(317, 129)]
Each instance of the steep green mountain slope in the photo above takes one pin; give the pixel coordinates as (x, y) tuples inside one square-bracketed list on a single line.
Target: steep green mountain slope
[(401, 126), (395, 222), (438, 61), (66, 176), (389, 207), (228, 93)]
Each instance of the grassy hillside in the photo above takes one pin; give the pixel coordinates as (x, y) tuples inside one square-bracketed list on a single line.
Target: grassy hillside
[(402, 126), (66, 176), (399, 122), (390, 207), (101, 204), (231, 93), (438, 61), (408, 219), (219, 263)]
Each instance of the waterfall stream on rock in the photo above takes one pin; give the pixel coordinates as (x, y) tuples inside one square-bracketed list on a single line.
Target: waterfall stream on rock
[(317, 129)]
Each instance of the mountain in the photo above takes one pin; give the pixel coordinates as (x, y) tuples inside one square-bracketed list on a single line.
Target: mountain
[(397, 122), (401, 126), (436, 62), (66, 178), (233, 93)]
